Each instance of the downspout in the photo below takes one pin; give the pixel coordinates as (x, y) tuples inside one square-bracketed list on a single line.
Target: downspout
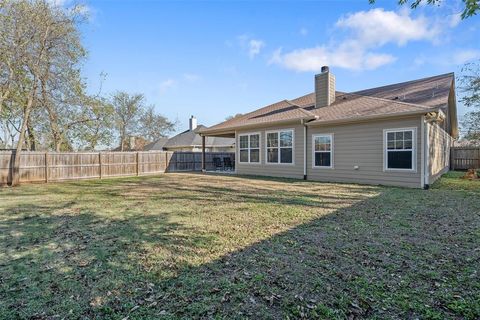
[(422, 152), (304, 152), (426, 169), (237, 154)]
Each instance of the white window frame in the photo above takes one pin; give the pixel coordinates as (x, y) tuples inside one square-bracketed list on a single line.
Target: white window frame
[(249, 148), (277, 131), (317, 135), (414, 149)]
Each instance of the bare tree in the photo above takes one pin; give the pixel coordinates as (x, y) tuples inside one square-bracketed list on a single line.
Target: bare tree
[(155, 126), (469, 83), (128, 110), (43, 41)]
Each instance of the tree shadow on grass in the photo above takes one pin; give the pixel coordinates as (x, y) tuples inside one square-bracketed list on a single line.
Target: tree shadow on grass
[(401, 254), (57, 262), (391, 256)]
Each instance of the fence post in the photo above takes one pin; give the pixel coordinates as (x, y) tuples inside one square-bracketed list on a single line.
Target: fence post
[(452, 165), (100, 165), (46, 167), (478, 159), (138, 165), (166, 161)]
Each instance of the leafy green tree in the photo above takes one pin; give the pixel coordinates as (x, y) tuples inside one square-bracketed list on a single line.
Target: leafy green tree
[(471, 7)]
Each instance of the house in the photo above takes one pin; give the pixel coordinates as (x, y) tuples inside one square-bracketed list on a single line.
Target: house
[(398, 134), (190, 140)]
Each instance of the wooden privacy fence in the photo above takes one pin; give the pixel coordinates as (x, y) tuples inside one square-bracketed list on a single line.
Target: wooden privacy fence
[(463, 158), (46, 166)]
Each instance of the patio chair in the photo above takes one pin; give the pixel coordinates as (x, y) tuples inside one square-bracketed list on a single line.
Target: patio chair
[(217, 163), (227, 163)]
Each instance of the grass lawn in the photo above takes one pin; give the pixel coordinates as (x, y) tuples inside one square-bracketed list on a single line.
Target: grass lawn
[(194, 246)]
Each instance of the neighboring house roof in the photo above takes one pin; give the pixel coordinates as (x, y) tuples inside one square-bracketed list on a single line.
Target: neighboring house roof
[(416, 96), (156, 145), (192, 138)]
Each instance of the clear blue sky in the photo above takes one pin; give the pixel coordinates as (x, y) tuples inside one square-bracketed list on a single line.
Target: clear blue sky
[(213, 59)]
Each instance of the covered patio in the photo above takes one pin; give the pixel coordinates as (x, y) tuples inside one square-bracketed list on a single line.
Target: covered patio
[(219, 163)]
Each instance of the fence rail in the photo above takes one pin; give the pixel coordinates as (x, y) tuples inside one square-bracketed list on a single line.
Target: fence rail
[(463, 158), (46, 166)]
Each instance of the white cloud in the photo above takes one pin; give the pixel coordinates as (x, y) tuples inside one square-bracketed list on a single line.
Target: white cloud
[(455, 19), (378, 27), (348, 55), (303, 31), (254, 47), (167, 85), (376, 60), (251, 46), (463, 56), (361, 35)]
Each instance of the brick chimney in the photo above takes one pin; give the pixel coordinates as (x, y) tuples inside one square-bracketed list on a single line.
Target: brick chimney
[(324, 88), (193, 123)]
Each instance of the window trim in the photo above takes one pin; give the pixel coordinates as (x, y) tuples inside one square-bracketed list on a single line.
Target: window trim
[(278, 148), (414, 149), (248, 134), (332, 147)]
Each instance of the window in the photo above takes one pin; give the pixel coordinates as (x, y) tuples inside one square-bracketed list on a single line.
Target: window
[(322, 150), (280, 146), (400, 149), (250, 148)]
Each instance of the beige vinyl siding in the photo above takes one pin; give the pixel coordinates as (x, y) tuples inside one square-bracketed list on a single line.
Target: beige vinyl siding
[(362, 145), (439, 151), (294, 170)]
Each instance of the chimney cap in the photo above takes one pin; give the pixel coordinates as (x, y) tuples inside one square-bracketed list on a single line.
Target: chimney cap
[(325, 69)]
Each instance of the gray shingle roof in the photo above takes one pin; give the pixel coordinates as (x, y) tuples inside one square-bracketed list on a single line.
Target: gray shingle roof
[(431, 91), (412, 96), (192, 138)]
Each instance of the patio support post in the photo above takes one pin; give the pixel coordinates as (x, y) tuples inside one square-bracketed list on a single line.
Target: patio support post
[(203, 154)]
